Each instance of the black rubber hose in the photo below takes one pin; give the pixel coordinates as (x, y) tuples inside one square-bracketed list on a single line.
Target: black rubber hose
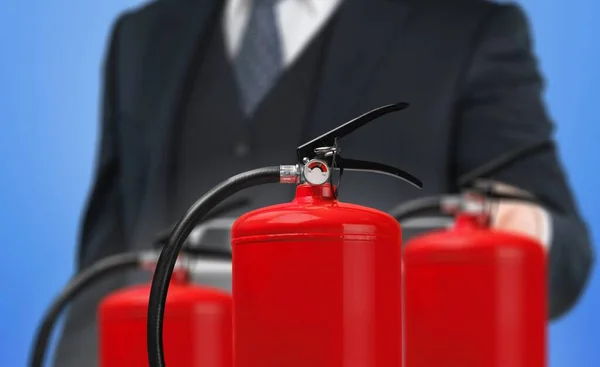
[(416, 207), (97, 271), (169, 253)]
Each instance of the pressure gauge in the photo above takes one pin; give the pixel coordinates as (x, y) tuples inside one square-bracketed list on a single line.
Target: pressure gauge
[(316, 172)]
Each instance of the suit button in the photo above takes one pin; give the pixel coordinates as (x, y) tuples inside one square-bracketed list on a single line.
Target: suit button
[(241, 149)]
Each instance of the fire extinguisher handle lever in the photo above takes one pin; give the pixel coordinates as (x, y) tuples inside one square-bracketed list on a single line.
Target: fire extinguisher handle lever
[(348, 164), (488, 170), (480, 180), (329, 139)]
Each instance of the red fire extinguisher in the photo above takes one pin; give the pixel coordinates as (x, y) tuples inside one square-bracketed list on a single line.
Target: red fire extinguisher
[(198, 330), (198, 318), (316, 282), (474, 296)]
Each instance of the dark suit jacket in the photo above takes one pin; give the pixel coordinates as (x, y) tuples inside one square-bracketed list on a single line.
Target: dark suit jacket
[(465, 66)]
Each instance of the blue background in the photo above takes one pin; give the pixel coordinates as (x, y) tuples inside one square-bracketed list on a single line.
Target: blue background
[(49, 92)]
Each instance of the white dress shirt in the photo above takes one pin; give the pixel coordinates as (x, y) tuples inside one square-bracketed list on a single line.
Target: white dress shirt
[(298, 21)]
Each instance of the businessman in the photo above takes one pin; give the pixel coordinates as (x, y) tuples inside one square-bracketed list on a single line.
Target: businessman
[(198, 90)]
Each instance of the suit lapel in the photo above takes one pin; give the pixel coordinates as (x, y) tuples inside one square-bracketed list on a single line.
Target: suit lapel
[(175, 46), (361, 34)]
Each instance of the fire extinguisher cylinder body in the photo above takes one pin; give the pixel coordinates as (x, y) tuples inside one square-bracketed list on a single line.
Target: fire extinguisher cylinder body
[(317, 282), (475, 297), (197, 326)]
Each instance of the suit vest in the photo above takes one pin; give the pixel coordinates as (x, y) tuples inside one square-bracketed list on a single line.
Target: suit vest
[(215, 139)]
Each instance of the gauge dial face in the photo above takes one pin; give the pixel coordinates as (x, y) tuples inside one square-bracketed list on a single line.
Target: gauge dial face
[(316, 172)]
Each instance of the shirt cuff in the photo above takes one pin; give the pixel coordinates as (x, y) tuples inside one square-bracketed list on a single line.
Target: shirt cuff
[(546, 228)]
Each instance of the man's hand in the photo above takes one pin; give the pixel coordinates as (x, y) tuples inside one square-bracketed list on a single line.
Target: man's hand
[(518, 217)]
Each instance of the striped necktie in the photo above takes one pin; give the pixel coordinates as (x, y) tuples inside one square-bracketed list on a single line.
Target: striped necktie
[(259, 61)]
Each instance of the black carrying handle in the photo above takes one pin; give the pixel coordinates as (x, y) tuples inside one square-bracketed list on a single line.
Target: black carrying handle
[(330, 139), (469, 180), (491, 168)]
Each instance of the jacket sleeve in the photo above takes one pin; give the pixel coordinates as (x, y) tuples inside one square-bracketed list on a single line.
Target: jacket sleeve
[(501, 108), (101, 232), (102, 227)]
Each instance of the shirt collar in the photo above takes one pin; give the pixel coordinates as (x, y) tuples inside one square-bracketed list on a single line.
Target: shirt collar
[(313, 5)]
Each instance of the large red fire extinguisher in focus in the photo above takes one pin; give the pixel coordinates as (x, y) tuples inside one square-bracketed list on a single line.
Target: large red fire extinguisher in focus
[(316, 282), (475, 296)]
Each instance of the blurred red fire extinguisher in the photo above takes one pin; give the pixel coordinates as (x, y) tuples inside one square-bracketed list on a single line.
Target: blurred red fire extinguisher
[(316, 282), (198, 330), (198, 318), (474, 296)]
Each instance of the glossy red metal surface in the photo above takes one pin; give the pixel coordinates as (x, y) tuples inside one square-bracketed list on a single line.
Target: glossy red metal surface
[(317, 283), (475, 298), (197, 327)]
